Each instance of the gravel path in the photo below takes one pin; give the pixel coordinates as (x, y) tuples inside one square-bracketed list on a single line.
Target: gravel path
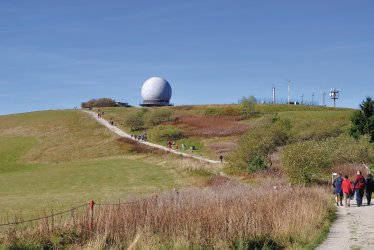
[(121, 133), (353, 229)]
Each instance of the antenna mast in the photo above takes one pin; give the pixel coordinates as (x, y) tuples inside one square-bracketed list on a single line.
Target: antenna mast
[(334, 94)]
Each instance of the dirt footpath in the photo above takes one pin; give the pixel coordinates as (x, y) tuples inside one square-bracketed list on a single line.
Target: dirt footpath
[(353, 229), (121, 133)]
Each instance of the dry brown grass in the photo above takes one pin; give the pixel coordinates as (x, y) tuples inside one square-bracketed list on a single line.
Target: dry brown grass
[(220, 216), (207, 126), (349, 169)]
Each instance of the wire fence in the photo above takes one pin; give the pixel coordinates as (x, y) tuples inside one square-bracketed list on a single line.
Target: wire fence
[(89, 205), (44, 217)]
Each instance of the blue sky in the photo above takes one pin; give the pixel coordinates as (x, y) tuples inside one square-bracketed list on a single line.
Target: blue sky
[(56, 54)]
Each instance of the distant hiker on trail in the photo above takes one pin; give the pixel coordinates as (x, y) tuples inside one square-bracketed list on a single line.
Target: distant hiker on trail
[(170, 143), (337, 184), (369, 187), (184, 146), (221, 158), (359, 186), (347, 190)]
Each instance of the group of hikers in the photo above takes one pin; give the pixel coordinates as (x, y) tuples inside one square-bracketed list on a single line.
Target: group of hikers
[(171, 143), (142, 137), (345, 190)]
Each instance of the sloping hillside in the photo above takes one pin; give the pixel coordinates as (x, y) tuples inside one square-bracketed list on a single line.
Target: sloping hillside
[(55, 159)]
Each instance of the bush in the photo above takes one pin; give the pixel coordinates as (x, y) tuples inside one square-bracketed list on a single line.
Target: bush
[(165, 133), (306, 162), (157, 117), (99, 103), (247, 106), (257, 163), (259, 142), (136, 121)]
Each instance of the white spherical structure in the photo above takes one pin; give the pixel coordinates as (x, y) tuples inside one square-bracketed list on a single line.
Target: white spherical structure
[(156, 91)]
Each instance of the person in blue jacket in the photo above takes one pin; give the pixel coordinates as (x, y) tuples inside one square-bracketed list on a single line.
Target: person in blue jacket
[(337, 184)]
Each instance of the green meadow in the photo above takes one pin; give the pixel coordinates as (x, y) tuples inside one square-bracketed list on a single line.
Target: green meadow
[(58, 159)]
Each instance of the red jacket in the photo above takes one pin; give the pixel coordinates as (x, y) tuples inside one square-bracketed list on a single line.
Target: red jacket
[(347, 186)]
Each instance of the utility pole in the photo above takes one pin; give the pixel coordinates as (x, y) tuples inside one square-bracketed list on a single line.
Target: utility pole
[(323, 100), (302, 99), (313, 98), (289, 91), (273, 94)]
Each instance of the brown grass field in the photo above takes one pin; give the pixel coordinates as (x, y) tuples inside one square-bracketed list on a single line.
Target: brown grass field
[(225, 215)]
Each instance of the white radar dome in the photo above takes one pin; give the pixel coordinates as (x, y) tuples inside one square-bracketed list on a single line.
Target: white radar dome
[(156, 90)]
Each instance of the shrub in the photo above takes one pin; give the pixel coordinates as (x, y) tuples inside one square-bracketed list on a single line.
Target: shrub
[(259, 142), (98, 103), (105, 102), (306, 162), (136, 121), (247, 106), (257, 163), (164, 133), (157, 117)]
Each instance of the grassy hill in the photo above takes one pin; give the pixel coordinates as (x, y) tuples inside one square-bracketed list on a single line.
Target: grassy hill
[(56, 159)]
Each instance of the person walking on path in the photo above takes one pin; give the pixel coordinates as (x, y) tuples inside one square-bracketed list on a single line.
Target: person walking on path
[(347, 191), (337, 184), (369, 187), (359, 186)]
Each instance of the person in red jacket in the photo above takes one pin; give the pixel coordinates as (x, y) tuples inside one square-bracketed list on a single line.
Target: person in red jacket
[(347, 190), (359, 187)]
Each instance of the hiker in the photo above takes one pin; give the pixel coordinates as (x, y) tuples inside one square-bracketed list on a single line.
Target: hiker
[(221, 158), (337, 184), (369, 188), (359, 186), (347, 191), (183, 146)]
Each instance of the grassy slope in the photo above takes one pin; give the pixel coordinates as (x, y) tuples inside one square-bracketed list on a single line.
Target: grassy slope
[(60, 157), (308, 122), (54, 159)]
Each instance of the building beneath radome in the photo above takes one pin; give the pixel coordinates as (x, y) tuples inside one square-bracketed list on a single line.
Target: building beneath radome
[(156, 91)]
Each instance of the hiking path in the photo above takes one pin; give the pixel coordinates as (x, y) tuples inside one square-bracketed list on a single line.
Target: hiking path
[(121, 133)]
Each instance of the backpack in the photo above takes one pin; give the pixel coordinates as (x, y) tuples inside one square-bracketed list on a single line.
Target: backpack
[(360, 183)]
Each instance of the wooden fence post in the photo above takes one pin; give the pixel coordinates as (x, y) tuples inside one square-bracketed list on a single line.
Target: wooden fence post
[(91, 215)]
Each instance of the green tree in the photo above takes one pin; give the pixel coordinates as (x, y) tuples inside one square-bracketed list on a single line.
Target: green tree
[(247, 106), (363, 120)]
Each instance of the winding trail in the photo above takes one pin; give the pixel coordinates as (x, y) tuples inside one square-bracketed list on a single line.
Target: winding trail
[(121, 133), (353, 228)]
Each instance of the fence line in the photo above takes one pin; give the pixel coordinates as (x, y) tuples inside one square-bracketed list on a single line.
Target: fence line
[(42, 218), (70, 210)]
